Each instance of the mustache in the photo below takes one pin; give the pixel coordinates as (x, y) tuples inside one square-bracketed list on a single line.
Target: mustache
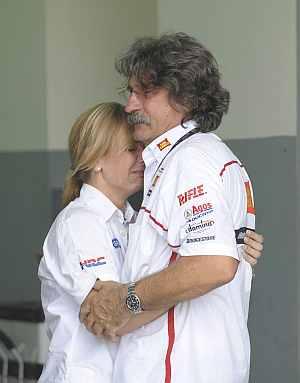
[(136, 118)]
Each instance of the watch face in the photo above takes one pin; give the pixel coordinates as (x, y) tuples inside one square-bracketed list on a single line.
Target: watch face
[(133, 303)]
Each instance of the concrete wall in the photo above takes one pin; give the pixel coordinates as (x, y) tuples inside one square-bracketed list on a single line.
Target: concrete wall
[(271, 163), (255, 45), (24, 191), (22, 76), (297, 210), (83, 38), (57, 59)]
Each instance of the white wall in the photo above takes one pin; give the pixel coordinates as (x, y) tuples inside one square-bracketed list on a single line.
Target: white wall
[(255, 45), (83, 38)]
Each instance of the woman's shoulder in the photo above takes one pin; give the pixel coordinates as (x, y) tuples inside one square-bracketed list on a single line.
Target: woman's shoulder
[(76, 214)]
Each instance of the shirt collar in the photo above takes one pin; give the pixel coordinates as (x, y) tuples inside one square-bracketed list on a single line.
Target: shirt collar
[(102, 205), (161, 146)]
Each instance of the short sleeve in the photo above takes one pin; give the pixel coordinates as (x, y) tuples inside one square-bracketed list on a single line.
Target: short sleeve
[(193, 209), (76, 254)]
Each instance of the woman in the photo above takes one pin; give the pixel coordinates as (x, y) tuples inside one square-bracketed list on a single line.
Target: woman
[(88, 241)]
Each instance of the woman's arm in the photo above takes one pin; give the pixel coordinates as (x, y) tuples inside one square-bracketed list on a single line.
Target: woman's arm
[(253, 247)]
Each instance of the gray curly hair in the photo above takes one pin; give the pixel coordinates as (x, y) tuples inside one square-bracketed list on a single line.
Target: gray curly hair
[(183, 66)]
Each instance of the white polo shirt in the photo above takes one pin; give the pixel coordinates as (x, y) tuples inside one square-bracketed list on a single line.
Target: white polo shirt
[(87, 241), (198, 201)]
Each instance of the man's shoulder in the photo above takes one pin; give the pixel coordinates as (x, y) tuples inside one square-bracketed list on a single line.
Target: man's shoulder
[(203, 149)]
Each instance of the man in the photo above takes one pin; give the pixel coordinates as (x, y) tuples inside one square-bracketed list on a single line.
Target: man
[(184, 253)]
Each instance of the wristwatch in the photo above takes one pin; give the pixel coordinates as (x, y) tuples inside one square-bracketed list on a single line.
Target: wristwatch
[(133, 302)]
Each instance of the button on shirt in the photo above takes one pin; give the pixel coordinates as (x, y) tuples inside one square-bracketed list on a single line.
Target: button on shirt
[(197, 201), (87, 241)]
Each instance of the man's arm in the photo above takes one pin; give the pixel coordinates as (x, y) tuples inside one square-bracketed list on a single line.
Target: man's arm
[(184, 279), (190, 277), (213, 272), (94, 319), (95, 322)]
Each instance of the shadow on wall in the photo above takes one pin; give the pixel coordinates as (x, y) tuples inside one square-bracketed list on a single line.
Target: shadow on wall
[(271, 164), (25, 218)]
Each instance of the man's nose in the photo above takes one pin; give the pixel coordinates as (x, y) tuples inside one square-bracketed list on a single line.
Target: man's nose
[(133, 104)]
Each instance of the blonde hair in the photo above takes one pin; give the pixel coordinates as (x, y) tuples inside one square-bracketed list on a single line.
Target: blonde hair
[(92, 136)]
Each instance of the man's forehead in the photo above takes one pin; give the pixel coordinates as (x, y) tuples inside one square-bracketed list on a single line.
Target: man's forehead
[(133, 83)]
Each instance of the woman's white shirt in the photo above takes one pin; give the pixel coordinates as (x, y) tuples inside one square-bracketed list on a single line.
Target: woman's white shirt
[(86, 242)]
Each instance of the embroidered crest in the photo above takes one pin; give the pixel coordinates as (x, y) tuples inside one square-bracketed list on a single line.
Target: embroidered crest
[(116, 243), (163, 144)]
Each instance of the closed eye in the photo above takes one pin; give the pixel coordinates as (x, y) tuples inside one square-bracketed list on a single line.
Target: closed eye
[(132, 149)]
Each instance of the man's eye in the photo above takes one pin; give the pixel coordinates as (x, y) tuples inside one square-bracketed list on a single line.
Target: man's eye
[(126, 92), (136, 92), (147, 92)]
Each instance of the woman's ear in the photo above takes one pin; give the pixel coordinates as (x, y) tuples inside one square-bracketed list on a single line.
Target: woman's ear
[(98, 167)]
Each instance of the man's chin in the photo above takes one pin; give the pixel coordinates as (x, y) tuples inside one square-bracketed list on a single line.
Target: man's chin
[(139, 131)]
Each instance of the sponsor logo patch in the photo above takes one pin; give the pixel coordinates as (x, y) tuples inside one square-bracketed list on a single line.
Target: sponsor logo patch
[(250, 202), (240, 235), (155, 179), (93, 262), (163, 144), (116, 243), (197, 211), (195, 192), (201, 239), (200, 226)]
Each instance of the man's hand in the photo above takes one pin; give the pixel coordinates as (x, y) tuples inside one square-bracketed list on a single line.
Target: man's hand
[(104, 310), (253, 247)]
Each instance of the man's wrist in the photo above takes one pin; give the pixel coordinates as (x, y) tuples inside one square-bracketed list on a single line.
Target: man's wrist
[(133, 301)]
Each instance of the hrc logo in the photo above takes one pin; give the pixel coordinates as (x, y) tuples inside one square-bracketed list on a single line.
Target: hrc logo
[(93, 262)]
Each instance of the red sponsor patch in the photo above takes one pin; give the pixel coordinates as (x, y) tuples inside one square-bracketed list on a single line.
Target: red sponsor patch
[(164, 144), (250, 203), (201, 208), (195, 192)]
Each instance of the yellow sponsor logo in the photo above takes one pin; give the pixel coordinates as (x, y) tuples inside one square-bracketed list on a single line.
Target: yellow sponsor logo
[(164, 144)]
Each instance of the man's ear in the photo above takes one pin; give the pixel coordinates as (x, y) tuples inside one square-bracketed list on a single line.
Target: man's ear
[(183, 110)]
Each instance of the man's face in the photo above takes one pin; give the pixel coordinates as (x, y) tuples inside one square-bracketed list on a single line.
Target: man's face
[(150, 112)]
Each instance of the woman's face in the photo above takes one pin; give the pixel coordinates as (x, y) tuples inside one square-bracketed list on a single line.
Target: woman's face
[(123, 167)]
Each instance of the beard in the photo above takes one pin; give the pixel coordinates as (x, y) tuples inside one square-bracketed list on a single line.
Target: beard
[(137, 119)]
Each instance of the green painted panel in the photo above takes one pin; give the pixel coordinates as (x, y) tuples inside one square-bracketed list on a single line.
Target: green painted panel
[(25, 205)]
